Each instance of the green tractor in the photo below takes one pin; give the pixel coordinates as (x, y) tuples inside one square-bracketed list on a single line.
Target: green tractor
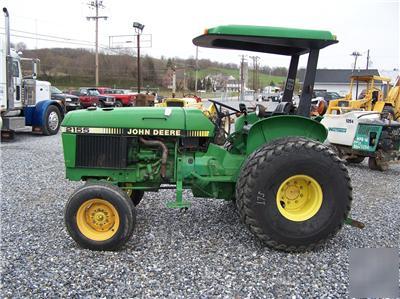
[(274, 165)]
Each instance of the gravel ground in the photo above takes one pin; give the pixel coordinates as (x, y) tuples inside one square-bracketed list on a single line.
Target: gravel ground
[(204, 252)]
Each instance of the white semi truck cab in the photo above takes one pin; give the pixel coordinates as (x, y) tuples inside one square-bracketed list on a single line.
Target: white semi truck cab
[(24, 101)]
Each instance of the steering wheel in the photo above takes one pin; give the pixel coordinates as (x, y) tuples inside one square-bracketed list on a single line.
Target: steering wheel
[(221, 114), (225, 106)]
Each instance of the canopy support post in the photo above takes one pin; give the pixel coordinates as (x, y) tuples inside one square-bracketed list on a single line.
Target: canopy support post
[(291, 79), (308, 85)]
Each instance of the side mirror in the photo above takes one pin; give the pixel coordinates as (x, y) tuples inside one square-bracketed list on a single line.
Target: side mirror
[(242, 108)]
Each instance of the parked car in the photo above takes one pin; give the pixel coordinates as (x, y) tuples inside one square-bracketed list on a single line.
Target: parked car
[(324, 95), (122, 97), (68, 101), (89, 96)]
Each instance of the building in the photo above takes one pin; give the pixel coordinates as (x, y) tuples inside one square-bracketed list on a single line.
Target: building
[(337, 80)]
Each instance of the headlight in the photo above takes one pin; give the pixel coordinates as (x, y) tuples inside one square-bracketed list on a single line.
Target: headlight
[(68, 100)]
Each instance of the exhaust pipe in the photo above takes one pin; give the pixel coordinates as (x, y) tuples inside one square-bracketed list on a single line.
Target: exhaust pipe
[(7, 27), (164, 156), (9, 85)]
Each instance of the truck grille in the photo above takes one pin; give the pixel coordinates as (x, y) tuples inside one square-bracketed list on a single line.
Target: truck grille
[(101, 151)]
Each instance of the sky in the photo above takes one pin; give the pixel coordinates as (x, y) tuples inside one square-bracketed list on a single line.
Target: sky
[(360, 25)]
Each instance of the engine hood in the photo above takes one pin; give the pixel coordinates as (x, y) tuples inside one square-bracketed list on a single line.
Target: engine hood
[(64, 96), (161, 121)]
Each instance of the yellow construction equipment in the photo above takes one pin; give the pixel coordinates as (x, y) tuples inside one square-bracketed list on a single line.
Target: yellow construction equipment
[(371, 99)]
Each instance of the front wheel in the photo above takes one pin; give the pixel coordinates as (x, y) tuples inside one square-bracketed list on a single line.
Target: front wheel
[(53, 121), (294, 194), (100, 216), (118, 104)]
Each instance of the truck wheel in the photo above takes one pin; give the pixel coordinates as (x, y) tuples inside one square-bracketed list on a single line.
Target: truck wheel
[(100, 216), (53, 121), (294, 194), (118, 104), (355, 160), (376, 164), (100, 104)]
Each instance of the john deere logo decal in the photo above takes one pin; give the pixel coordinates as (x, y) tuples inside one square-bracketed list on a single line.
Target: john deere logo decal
[(136, 132)]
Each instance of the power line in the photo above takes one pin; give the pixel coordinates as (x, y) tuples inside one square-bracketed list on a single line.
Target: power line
[(50, 40), (51, 36), (60, 39)]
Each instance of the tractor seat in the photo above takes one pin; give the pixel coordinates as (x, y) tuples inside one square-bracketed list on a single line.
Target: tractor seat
[(283, 108)]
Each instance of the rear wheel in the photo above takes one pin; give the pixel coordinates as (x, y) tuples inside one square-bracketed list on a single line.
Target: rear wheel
[(100, 216), (287, 197), (377, 164), (118, 104), (53, 121)]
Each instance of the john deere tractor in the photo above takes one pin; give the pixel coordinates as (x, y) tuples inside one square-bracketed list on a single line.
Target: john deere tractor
[(274, 165)]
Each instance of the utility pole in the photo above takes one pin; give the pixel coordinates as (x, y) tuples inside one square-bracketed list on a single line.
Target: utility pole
[(96, 5), (255, 72), (355, 54), (242, 78), (139, 78), (367, 59), (184, 79), (197, 68), (139, 29)]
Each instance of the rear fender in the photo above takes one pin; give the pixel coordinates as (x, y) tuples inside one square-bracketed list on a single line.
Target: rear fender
[(269, 129), (35, 115)]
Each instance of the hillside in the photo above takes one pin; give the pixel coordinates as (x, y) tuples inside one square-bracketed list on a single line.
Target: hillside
[(70, 68)]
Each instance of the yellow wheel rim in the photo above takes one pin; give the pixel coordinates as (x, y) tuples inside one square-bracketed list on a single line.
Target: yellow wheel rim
[(299, 198), (97, 219)]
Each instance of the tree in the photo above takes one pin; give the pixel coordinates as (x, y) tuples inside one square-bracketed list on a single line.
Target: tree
[(199, 84), (21, 46), (170, 63), (279, 71), (191, 83), (208, 84), (149, 71)]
